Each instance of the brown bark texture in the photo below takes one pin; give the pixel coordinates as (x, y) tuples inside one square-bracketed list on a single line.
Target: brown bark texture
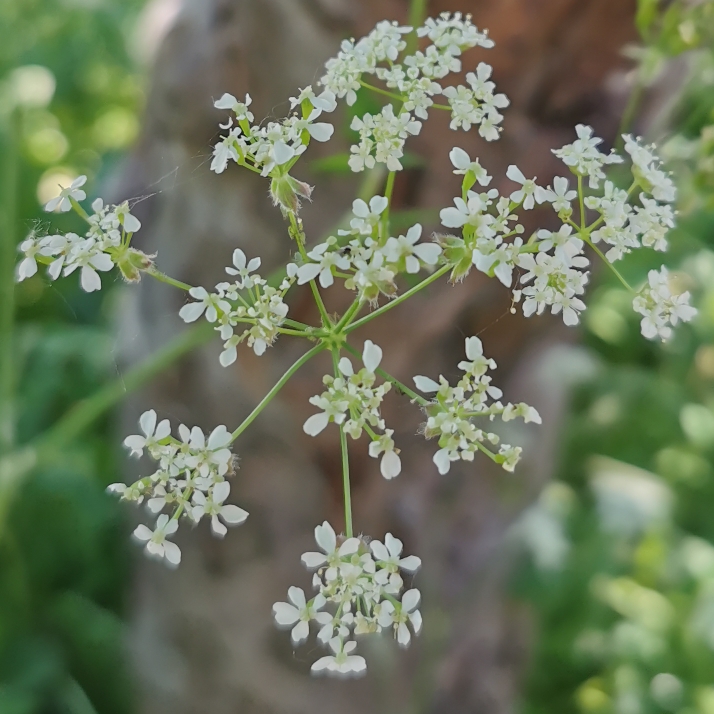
[(202, 638)]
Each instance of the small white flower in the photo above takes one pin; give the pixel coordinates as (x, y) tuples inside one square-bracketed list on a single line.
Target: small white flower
[(156, 543), (530, 193), (462, 165), (243, 269), (560, 196), (299, 613), (207, 302), (398, 616), (153, 434), (341, 661), (326, 538), (390, 464), (413, 253), (214, 506), (389, 552), (63, 202)]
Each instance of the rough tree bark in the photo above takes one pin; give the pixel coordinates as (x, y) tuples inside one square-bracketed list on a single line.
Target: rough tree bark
[(203, 637)]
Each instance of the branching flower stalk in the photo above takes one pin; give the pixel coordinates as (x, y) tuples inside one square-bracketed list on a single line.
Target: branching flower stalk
[(359, 580)]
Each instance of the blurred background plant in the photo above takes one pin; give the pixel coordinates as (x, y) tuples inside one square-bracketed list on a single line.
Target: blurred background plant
[(69, 105), (621, 569)]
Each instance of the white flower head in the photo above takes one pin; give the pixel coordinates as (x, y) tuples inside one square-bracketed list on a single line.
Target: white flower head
[(73, 192)]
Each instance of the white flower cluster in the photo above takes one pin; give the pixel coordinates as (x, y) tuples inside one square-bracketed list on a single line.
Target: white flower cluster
[(660, 308), (552, 263), (452, 410), (371, 260), (413, 81), (190, 482), (272, 149), (360, 581), (248, 301), (104, 245), (353, 400)]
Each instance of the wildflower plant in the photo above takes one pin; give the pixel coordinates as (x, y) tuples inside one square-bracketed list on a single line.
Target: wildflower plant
[(360, 582)]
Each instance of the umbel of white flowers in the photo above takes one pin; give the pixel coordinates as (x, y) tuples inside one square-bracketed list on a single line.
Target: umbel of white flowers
[(359, 582), (359, 585)]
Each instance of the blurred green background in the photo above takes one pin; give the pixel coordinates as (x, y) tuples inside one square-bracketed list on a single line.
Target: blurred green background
[(618, 567)]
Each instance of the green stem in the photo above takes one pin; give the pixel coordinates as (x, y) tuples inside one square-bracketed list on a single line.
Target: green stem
[(393, 303), (384, 92), (609, 264), (299, 235), (581, 199), (79, 210), (346, 482), (156, 273), (8, 248), (347, 317), (388, 191), (393, 380), (276, 388)]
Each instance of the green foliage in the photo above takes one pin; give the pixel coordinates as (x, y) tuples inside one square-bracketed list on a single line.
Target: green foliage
[(70, 94), (626, 625)]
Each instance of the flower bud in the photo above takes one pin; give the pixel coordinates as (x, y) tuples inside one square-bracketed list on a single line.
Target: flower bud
[(286, 192), (132, 262)]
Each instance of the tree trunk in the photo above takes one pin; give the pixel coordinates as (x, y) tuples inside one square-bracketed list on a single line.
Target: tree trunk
[(203, 638)]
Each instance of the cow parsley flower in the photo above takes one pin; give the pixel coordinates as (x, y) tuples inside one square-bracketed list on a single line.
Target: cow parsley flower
[(358, 583), (73, 192), (661, 309), (190, 481), (452, 412), (584, 157)]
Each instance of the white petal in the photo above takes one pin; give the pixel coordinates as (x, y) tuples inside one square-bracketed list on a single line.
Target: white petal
[(308, 272), (410, 564), (313, 560), (233, 515), (442, 461), (349, 547), (220, 437), (515, 174), (410, 599), (459, 158), (192, 311), (297, 597), (452, 218), (282, 153), (221, 491), (300, 632), (285, 614), (90, 279), (371, 355), (345, 366), (227, 101), (321, 131), (141, 532), (172, 552), (325, 537), (391, 465), (316, 423), (424, 384), (147, 422), (403, 635), (474, 348)]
